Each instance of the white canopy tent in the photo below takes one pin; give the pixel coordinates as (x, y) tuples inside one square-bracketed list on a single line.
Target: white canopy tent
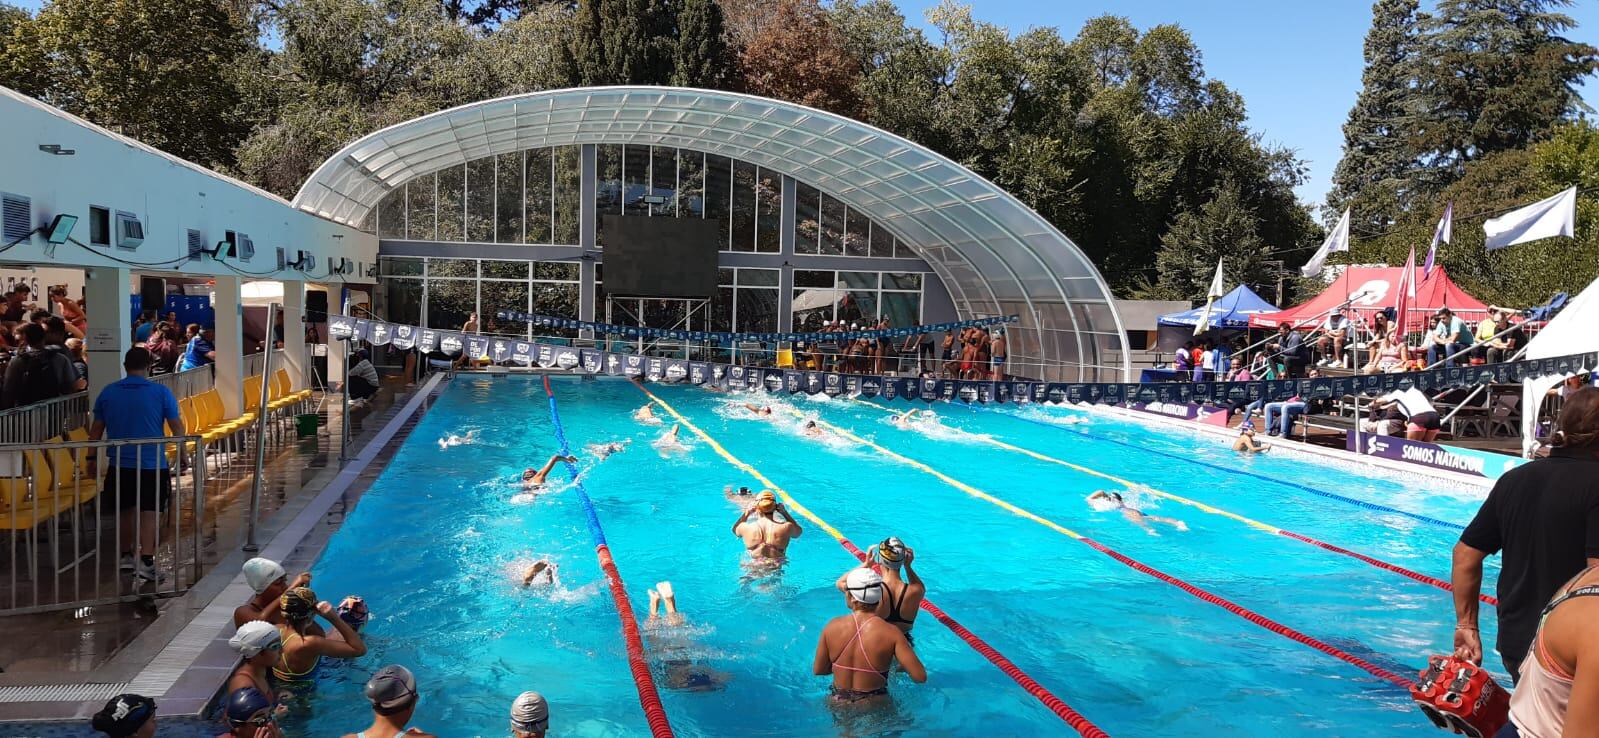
[(1572, 331)]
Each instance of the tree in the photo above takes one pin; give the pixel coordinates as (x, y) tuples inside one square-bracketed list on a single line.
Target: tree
[(1495, 75), (22, 64), (1224, 228), (166, 72), (801, 58), (1379, 136), (700, 56), (623, 42)]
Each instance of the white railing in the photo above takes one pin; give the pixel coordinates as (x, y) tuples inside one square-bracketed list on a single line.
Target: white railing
[(67, 532), (188, 383), (54, 417)]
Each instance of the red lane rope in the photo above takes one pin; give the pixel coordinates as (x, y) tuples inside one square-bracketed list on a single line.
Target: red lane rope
[(1380, 564), (1254, 617), (637, 663)]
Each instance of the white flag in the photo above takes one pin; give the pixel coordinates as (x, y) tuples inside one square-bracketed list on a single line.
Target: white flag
[(1217, 291), (1442, 233), (1338, 240), (1556, 216)]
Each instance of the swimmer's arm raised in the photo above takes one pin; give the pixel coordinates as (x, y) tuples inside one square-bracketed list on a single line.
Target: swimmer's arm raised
[(798, 531), (351, 647), (742, 515)]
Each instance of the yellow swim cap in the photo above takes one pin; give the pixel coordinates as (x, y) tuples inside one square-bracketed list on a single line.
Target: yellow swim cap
[(766, 500)]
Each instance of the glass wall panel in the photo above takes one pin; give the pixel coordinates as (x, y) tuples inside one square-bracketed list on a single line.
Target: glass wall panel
[(757, 310), (555, 298), (807, 219), (452, 203), (758, 277), (556, 271), (499, 296), (466, 268), (811, 278), (420, 218), (902, 309), (636, 175), (480, 200), (399, 266), (664, 178), (743, 206), (505, 270), (608, 186), (450, 301), (719, 196), (857, 234), (402, 301), (690, 184), (568, 194), (833, 212), (769, 210), (857, 297), (537, 200), (902, 281), (391, 215), (508, 173), (722, 310)]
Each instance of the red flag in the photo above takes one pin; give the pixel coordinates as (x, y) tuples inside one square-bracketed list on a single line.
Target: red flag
[(1406, 297)]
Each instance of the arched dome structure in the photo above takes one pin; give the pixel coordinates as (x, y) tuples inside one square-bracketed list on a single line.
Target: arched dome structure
[(993, 254)]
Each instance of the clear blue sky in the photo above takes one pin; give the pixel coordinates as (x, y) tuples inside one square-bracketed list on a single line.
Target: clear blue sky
[(1297, 64)]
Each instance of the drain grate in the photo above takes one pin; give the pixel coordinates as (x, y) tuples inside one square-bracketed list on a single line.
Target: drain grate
[(62, 692)]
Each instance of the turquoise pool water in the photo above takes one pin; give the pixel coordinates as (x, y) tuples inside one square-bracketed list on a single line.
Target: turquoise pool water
[(437, 543)]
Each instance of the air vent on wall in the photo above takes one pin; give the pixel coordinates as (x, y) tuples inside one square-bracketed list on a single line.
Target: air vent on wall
[(282, 259), (17, 212), (130, 232), (239, 246), (196, 245)]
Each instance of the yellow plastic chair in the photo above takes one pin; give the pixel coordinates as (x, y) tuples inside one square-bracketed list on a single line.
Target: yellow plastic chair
[(785, 358)]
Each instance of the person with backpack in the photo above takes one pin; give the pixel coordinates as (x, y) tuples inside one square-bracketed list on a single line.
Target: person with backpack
[(35, 374)]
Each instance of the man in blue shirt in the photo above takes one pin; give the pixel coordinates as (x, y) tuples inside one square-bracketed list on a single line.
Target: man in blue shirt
[(1449, 336), (135, 407), (201, 350)]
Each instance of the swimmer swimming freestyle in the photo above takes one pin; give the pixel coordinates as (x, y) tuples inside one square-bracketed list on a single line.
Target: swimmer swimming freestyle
[(1135, 515)]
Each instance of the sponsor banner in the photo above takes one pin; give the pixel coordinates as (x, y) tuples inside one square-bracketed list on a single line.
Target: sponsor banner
[(380, 333), (544, 354), (522, 353), (499, 350), (771, 379), (632, 365), (654, 368), (341, 327), (477, 347), (404, 337), (1470, 462), (362, 325), (852, 386), (451, 343), (833, 384), (613, 364), (871, 386), (567, 357), (676, 370), (813, 382), (1191, 411), (699, 372)]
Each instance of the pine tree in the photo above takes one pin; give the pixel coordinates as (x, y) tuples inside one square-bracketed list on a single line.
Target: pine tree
[(1379, 136), (701, 57), (1496, 75), (622, 42)]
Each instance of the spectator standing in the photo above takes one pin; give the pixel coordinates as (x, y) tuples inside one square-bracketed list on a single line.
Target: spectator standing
[(164, 348), (36, 373), (1291, 349), (80, 364), (530, 716), (17, 307), (1422, 422), (145, 327), (392, 692), (1449, 336), (201, 350), (138, 480), (1543, 518)]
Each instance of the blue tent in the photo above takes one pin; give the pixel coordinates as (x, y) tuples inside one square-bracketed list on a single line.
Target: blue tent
[(1232, 311)]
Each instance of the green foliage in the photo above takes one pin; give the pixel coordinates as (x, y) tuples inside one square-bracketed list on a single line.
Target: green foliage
[(166, 72), (701, 57), (1379, 156)]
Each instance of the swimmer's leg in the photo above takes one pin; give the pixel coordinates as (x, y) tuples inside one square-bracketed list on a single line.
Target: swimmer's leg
[(655, 604), (1173, 522), (669, 599), (1141, 520)]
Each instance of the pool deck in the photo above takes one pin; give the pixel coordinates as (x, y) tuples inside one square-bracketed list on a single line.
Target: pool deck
[(176, 650)]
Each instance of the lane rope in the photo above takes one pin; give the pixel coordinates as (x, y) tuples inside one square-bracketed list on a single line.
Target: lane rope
[(1241, 472), (1055, 704), (648, 697), (1256, 524), (1213, 599)]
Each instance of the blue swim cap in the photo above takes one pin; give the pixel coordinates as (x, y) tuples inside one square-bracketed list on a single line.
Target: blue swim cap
[(244, 703)]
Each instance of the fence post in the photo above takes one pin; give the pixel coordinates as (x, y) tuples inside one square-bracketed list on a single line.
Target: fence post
[(250, 545)]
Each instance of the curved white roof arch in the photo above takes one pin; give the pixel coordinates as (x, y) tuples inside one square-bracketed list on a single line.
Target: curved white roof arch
[(994, 254)]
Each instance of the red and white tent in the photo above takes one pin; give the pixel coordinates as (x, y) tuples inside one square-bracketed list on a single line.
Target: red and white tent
[(1370, 290)]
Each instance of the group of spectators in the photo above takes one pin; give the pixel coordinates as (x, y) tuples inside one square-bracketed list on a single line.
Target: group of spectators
[(854, 356), (42, 352), (175, 347)]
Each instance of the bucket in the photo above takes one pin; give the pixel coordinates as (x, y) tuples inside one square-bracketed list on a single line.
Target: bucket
[(305, 425)]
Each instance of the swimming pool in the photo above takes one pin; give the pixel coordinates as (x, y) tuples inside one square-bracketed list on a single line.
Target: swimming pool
[(437, 543)]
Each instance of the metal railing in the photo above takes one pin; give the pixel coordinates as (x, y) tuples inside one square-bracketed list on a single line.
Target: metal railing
[(80, 514), (40, 420), (188, 383)]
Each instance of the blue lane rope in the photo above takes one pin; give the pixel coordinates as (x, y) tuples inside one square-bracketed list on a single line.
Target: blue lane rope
[(1229, 470), (595, 531)]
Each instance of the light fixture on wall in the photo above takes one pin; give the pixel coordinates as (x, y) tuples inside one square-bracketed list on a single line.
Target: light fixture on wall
[(56, 150)]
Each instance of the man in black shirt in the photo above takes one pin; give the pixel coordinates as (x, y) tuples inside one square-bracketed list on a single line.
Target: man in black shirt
[(1544, 517), (15, 309)]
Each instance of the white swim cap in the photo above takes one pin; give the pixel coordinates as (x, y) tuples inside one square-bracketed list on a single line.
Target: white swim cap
[(254, 637), (529, 709), (864, 585), (261, 573)]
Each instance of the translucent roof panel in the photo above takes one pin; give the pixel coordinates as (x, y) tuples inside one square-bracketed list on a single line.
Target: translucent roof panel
[(994, 254)]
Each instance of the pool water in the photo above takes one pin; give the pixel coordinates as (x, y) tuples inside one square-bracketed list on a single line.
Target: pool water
[(437, 545)]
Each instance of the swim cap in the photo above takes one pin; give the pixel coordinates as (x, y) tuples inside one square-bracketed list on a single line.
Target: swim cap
[(529, 709), (243, 704), (254, 637), (891, 550), (864, 585), (766, 500), (124, 715), (391, 689), (298, 603), (1248, 425), (261, 573)]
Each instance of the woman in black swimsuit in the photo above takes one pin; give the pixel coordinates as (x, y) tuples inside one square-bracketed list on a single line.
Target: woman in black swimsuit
[(902, 596)]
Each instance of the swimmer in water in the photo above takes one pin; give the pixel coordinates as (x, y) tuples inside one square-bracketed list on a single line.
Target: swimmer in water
[(539, 567), (1246, 440), (600, 451), (670, 646), (1135, 515), (744, 498), (534, 481), (904, 418), (669, 443), (812, 430), (763, 411), (766, 537), (858, 650), (455, 440), (646, 416)]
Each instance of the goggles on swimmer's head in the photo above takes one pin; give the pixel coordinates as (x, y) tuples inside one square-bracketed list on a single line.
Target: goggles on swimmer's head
[(891, 551)]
